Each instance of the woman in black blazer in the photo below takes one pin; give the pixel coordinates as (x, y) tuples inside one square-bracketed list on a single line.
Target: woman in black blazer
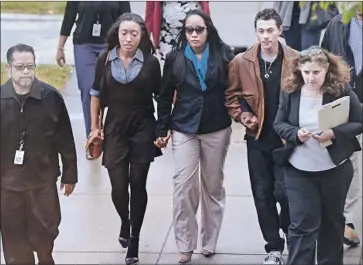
[(200, 130), (317, 178)]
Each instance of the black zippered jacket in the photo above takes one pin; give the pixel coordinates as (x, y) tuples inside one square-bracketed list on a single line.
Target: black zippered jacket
[(48, 133)]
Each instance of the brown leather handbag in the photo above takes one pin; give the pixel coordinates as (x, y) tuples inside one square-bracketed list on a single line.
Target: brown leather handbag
[(95, 147)]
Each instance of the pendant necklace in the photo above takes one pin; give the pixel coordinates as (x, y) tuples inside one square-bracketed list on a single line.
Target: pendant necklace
[(267, 71)]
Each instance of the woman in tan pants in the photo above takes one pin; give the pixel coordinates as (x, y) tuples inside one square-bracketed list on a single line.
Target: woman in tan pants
[(199, 124)]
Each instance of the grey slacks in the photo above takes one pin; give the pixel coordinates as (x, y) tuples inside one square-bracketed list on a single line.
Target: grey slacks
[(199, 162)]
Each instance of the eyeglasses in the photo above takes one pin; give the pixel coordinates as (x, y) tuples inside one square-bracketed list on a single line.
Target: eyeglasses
[(312, 51), (199, 30), (21, 68)]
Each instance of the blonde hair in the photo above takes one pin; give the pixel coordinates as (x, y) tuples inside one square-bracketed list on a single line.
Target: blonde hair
[(337, 76)]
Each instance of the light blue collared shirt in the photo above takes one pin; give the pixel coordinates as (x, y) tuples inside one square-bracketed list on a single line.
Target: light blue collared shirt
[(118, 70)]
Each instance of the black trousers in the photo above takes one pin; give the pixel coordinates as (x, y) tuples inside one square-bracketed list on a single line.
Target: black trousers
[(268, 188), (316, 201), (133, 175), (29, 223)]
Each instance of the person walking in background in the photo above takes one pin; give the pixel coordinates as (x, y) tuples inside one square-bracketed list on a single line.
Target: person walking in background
[(197, 68), (127, 77), (35, 130), (345, 40), (252, 98), (93, 19), (164, 20), (295, 21), (317, 178)]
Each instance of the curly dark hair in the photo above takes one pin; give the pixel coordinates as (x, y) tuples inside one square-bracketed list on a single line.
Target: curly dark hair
[(267, 14), (112, 35), (337, 77)]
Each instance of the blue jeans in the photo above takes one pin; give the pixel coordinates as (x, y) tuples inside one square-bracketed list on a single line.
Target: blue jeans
[(85, 56)]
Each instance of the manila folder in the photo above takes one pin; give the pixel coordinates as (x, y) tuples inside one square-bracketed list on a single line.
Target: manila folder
[(333, 114)]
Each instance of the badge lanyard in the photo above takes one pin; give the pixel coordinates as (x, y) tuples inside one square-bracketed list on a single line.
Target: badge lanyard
[(96, 30), (19, 154)]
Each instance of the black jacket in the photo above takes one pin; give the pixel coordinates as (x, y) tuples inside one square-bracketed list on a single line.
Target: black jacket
[(48, 132), (195, 111), (87, 13), (345, 143), (336, 40)]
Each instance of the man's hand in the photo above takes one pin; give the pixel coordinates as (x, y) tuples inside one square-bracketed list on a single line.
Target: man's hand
[(249, 120), (68, 188), (325, 136)]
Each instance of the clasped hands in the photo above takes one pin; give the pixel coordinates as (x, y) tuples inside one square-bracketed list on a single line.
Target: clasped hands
[(304, 135), (162, 142)]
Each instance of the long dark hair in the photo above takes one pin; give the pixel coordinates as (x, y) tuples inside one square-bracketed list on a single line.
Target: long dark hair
[(219, 51), (112, 35)]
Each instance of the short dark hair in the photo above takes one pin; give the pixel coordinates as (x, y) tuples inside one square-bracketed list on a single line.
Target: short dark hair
[(112, 35), (267, 14), (18, 48)]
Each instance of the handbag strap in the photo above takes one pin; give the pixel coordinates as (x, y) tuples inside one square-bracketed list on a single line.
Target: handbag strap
[(100, 114)]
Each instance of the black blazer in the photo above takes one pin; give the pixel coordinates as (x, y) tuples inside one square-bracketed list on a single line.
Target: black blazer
[(195, 111), (287, 125)]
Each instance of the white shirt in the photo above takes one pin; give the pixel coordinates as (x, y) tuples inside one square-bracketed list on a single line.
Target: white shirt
[(310, 156)]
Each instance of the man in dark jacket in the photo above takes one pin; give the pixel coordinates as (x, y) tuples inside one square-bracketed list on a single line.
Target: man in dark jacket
[(35, 129), (346, 40)]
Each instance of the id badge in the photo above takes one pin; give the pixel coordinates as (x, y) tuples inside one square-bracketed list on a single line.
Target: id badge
[(19, 157), (96, 30)]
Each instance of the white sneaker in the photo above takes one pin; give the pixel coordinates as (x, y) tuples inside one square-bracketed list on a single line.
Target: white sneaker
[(274, 257)]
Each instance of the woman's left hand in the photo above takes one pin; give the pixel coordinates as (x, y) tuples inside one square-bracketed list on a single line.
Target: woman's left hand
[(162, 142), (327, 135)]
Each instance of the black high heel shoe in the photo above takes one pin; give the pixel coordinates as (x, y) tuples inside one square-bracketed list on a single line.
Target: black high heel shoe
[(132, 256), (124, 236), (124, 242)]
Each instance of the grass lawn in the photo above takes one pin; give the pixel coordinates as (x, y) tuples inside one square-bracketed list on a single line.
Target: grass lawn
[(31, 7), (51, 74)]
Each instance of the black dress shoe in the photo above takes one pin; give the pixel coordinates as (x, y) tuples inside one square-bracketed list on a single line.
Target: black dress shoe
[(132, 256), (124, 242), (132, 261)]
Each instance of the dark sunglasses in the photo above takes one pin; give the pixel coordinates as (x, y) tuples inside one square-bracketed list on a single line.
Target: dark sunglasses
[(199, 30), (21, 68), (312, 51)]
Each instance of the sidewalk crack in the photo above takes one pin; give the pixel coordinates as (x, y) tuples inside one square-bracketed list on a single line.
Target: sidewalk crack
[(164, 243)]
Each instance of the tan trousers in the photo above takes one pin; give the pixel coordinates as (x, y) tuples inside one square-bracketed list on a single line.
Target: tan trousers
[(354, 189), (193, 153)]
